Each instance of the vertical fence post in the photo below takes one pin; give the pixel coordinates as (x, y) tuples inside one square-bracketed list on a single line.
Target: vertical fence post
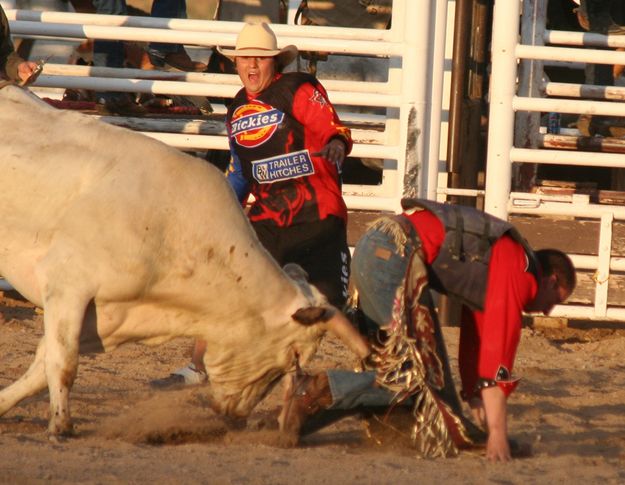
[(530, 81), (602, 275), (291, 11), (416, 72), (530, 72), (435, 87), (501, 115)]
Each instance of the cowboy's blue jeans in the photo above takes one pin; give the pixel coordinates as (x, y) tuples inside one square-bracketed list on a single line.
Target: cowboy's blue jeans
[(351, 390), (378, 269)]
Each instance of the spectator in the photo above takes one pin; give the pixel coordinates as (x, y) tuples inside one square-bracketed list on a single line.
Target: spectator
[(12, 66), (111, 54), (174, 55), (596, 16)]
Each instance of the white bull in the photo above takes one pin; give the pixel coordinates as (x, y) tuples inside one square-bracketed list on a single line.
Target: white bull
[(121, 238)]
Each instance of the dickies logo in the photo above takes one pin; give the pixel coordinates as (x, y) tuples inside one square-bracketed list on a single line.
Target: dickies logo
[(253, 124)]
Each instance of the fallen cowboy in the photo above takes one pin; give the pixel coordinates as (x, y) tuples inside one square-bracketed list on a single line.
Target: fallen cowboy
[(406, 388)]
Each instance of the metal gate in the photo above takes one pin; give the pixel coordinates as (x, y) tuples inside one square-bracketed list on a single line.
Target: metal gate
[(520, 48), (405, 136)]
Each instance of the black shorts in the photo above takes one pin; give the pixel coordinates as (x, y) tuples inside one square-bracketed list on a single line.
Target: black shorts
[(318, 247)]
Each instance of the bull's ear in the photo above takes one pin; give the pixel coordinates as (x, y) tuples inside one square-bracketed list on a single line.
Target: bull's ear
[(312, 314)]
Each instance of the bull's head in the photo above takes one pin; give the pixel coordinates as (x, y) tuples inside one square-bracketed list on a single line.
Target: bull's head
[(279, 351), (335, 321)]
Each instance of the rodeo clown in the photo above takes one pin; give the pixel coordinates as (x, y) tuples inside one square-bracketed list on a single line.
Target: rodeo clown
[(287, 148), (406, 388)]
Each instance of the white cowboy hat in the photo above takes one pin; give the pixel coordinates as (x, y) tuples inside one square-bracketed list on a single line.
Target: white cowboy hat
[(258, 40)]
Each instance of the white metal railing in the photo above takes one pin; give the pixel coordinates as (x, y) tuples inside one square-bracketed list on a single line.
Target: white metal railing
[(409, 142), (517, 85)]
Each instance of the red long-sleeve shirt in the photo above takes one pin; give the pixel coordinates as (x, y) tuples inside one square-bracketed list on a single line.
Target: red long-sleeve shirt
[(488, 338)]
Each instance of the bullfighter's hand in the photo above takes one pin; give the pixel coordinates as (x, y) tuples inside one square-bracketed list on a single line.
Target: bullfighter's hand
[(334, 152)]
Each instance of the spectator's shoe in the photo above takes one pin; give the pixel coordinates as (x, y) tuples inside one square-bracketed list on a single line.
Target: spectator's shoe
[(186, 376), (179, 60), (122, 105), (616, 29), (594, 16), (307, 396)]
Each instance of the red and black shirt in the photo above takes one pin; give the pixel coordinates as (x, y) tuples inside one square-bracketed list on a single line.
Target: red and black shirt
[(274, 137)]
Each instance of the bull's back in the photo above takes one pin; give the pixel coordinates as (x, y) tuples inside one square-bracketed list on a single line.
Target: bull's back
[(55, 157), (137, 212)]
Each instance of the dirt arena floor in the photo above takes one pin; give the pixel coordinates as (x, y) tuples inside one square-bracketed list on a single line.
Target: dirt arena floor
[(569, 408)]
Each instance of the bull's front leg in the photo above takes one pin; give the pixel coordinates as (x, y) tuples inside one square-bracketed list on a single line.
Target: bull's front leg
[(63, 317)]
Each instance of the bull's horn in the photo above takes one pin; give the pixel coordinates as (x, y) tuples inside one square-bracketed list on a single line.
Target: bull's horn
[(340, 326)]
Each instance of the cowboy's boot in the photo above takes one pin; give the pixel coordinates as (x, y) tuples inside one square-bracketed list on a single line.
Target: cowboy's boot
[(308, 396), (594, 15)]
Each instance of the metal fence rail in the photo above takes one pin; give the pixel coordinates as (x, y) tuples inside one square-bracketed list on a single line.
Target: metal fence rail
[(411, 96)]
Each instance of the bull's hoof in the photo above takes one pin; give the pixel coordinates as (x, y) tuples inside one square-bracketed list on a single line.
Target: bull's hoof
[(234, 422), (287, 440), (264, 422), (57, 439), (61, 431)]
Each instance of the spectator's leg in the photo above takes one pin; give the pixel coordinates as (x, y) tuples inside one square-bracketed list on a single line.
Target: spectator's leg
[(108, 53), (595, 16), (167, 9), (111, 54), (599, 17), (175, 55)]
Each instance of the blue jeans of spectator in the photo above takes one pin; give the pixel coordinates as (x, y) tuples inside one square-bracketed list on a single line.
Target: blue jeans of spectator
[(167, 9), (109, 53)]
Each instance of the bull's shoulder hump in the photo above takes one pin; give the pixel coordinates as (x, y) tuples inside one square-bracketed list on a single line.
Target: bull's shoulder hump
[(20, 95)]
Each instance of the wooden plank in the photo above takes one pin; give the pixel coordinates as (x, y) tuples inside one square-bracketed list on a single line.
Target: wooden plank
[(357, 223), (585, 290), (567, 234), (614, 197), (574, 236), (550, 322), (582, 143)]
